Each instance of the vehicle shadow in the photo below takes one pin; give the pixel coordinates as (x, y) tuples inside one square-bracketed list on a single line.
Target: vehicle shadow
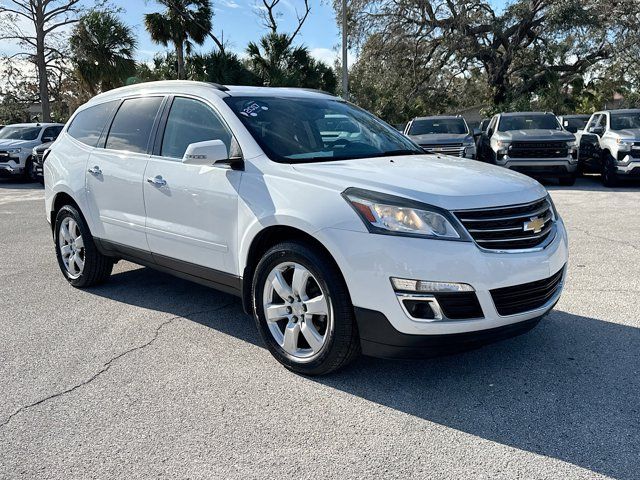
[(592, 183), (20, 184), (569, 390)]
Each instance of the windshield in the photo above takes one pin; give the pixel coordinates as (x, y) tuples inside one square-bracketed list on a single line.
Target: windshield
[(298, 130), (575, 123), (19, 133), (619, 121), (528, 122), (454, 126)]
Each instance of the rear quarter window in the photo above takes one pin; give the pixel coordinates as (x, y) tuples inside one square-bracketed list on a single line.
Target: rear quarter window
[(87, 125)]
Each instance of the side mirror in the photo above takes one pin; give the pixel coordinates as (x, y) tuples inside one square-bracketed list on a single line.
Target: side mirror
[(596, 130), (209, 152), (47, 139), (476, 132)]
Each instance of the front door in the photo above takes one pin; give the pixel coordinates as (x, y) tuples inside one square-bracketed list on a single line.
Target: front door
[(192, 210), (115, 174)]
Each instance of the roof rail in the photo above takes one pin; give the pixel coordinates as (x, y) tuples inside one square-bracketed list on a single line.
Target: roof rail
[(217, 86)]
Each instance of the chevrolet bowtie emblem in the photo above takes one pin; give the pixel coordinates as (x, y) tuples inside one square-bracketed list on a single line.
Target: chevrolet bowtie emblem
[(535, 225)]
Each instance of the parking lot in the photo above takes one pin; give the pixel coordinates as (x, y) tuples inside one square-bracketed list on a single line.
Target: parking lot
[(150, 376)]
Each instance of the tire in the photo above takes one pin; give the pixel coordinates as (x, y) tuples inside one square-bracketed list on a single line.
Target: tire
[(340, 341), (609, 174), (96, 267), (568, 181), (28, 174)]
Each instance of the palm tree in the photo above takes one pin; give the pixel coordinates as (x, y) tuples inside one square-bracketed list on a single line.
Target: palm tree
[(183, 23), (278, 64), (102, 49)]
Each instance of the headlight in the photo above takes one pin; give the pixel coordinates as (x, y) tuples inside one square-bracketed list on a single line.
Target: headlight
[(390, 215), (503, 146), (554, 212), (624, 144), (14, 150)]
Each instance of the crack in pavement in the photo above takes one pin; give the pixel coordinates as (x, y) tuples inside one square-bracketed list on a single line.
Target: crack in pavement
[(110, 362)]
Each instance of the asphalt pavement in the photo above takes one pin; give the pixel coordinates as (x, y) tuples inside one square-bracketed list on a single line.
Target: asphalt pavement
[(149, 376)]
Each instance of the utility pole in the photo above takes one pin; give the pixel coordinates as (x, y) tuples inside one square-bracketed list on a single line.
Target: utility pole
[(345, 73)]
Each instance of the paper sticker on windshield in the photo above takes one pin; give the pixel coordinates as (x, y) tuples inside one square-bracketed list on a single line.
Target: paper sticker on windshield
[(252, 109)]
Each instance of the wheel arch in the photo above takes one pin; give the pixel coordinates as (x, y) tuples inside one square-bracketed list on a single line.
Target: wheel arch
[(61, 199), (263, 241)]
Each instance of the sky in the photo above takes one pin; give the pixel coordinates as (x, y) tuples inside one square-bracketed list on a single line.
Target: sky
[(238, 23)]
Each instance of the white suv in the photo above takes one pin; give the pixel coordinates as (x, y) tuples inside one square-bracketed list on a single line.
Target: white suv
[(337, 242), (17, 143)]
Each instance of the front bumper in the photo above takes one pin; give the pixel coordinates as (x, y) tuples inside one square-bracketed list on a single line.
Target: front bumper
[(555, 167), (8, 170), (368, 261), (629, 166)]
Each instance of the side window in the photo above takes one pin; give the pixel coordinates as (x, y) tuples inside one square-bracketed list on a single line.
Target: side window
[(492, 124), (51, 132), (87, 126), (595, 120), (191, 121), (132, 125)]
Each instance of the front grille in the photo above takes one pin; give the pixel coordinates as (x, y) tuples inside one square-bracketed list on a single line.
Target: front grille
[(528, 296), (509, 228), (455, 149), (4, 157), (538, 150), (459, 305)]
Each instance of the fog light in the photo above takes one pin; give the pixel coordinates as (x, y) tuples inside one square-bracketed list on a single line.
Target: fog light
[(407, 285)]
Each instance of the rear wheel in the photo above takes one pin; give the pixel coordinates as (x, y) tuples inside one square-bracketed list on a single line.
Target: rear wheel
[(79, 259), (303, 310), (609, 172)]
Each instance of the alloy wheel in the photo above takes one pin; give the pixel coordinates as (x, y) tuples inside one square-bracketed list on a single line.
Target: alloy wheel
[(71, 247), (297, 311)]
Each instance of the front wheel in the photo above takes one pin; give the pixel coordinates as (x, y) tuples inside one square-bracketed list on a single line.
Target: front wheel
[(609, 171), (303, 310), (78, 257)]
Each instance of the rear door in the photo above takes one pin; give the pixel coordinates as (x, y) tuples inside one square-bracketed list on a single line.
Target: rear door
[(192, 210), (115, 173)]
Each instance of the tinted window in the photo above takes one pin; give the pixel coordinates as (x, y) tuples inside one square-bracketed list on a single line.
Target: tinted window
[(623, 121), (191, 121), (438, 125), (20, 133), (528, 122), (574, 124), (292, 130), (87, 126), (131, 127), (52, 132)]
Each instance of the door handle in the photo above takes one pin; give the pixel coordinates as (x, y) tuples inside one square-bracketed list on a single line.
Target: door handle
[(158, 181), (95, 170)]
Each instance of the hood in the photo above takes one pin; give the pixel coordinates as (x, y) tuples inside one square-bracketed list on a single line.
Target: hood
[(6, 143), (444, 181), (629, 133), (441, 138), (536, 135), (42, 147)]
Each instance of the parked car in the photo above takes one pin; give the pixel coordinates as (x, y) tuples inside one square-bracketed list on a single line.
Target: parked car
[(573, 123), (39, 155), (610, 145), (335, 247), (449, 135), (16, 146), (533, 143)]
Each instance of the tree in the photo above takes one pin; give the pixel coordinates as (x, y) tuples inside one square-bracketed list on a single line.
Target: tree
[(182, 23), (102, 51), (46, 18), (221, 67), (529, 46)]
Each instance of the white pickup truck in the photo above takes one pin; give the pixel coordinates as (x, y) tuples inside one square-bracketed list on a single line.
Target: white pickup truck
[(610, 145)]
